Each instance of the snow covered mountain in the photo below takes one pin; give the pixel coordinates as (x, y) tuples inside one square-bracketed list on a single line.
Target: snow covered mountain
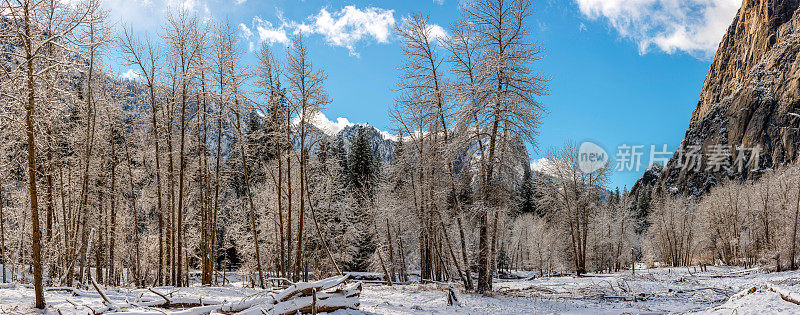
[(383, 144), (515, 155)]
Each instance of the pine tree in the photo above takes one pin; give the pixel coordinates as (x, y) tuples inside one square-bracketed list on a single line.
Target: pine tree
[(362, 168), (362, 174), (643, 209), (527, 203)]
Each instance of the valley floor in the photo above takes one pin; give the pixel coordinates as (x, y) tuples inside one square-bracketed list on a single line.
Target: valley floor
[(720, 290)]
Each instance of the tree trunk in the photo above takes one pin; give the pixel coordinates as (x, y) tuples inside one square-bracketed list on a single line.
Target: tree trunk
[(282, 262), (249, 193), (467, 271), (391, 250), (181, 175), (289, 193), (113, 217), (301, 210), (493, 251), (49, 181), (2, 237), (216, 192), (483, 253), (453, 254), (34, 198)]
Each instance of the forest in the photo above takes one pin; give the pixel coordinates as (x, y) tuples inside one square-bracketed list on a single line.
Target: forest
[(204, 168)]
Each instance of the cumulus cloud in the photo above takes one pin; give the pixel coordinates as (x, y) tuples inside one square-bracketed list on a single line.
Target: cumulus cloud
[(188, 5), (350, 25), (149, 15), (270, 33), (692, 26), (439, 2), (130, 75), (343, 28), (437, 32), (246, 31)]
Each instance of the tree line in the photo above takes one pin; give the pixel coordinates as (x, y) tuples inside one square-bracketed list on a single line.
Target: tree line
[(204, 165)]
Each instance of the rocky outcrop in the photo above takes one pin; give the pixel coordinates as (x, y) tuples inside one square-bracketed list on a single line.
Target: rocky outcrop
[(382, 146), (751, 88), (650, 177)]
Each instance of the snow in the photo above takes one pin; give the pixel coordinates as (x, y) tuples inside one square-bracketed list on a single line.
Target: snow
[(720, 290)]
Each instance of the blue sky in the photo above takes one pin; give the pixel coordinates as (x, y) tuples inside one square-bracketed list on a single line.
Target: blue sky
[(623, 72)]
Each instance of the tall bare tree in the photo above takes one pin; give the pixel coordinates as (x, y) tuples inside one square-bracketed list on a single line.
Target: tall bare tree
[(307, 93), (509, 107), (145, 58), (23, 27)]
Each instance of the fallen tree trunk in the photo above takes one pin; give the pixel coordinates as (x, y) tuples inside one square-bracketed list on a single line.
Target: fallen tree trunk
[(785, 295), (325, 295), (342, 298)]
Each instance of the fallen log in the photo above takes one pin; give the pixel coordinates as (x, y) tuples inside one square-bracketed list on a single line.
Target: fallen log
[(306, 287), (331, 294), (340, 298), (787, 296), (346, 298)]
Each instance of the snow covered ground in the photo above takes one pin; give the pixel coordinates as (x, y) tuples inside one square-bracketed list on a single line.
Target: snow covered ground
[(720, 290), (665, 290)]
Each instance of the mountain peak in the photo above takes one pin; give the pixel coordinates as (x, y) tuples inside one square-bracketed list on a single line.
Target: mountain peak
[(334, 128)]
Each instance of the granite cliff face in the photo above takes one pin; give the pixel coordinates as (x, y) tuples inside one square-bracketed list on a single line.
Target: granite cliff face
[(751, 88)]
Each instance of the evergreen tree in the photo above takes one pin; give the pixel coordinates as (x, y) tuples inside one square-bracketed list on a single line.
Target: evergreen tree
[(362, 179), (362, 168), (526, 195), (643, 209)]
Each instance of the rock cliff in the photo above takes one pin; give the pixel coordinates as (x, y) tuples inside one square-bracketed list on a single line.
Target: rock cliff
[(751, 88)]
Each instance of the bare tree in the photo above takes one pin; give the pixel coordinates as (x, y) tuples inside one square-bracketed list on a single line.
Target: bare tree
[(577, 199), (269, 74), (307, 93), (182, 34), (509, 105), (23, 27), (145, 58)]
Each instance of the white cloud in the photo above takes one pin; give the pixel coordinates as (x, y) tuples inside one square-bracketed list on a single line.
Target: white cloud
[(436, 32), (692, 26), (269, 33), (188, 5), (148, 16), (351, 25), (439, 2), (240, 1), (130, 75), (246, 31), (344, 28)]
